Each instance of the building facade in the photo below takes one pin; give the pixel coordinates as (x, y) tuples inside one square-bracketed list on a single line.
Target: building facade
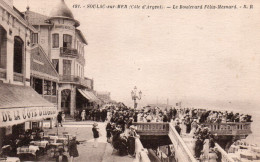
[(14, 45), (20, 105), (64, 43)]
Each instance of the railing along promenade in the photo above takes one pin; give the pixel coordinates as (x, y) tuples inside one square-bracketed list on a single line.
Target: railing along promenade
[(144, 128), (182, 152), (230, 128)]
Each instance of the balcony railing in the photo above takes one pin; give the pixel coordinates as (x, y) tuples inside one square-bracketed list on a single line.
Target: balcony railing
[(69, 78), (76, 80), (230, 128), (68, 52)]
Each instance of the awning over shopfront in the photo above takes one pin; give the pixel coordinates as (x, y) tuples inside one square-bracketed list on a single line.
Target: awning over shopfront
[(19, 104), (89, 95)]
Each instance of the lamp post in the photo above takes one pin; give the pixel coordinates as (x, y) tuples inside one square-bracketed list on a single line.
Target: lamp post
[(135, 96)]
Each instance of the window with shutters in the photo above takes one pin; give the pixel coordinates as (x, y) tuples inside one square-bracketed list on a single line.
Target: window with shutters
[(55, 40)]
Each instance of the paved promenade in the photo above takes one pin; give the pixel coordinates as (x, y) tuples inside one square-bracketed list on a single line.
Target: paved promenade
[(87, 153)]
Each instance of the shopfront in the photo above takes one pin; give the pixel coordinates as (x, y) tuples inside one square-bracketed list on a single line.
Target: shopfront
[(21, 109)]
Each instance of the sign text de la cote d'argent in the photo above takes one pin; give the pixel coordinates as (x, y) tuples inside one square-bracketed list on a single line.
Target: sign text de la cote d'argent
[(19, 115)]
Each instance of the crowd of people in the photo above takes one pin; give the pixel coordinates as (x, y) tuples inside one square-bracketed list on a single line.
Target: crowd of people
[(193, 122), (121, 132), (96, 114)]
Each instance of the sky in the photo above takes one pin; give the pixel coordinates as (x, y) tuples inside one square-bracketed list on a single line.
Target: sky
[(193, 56)]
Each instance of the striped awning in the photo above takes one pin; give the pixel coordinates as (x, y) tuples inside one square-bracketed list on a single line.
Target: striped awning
[(19, 104), (89, 95)]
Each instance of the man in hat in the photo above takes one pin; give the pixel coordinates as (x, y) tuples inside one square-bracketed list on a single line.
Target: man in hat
[(59, 118), (95, 131)]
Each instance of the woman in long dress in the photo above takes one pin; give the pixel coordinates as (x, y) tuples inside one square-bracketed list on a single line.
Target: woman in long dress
[(95, 131), (131, 141), (194, 126), (205, 150)]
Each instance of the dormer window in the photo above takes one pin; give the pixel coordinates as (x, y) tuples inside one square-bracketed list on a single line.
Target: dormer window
[(67, 41)]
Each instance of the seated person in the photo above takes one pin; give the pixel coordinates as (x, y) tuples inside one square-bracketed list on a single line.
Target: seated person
[(61, 157)]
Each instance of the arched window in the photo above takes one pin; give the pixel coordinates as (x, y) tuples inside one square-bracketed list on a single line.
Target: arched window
[(18, 54), (55, 40)]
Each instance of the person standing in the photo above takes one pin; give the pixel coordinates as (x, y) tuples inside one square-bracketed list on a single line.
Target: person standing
[(59, 118), (83, 115), (178, 128), (131, 141), (95, 131), (109, 129), (72, 148), (63, 116)]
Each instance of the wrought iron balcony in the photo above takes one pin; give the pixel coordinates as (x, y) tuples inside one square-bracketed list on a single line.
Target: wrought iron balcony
[(68, 52), (76, 80)]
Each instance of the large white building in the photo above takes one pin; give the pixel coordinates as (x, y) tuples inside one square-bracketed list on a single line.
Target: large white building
[(60, 39)]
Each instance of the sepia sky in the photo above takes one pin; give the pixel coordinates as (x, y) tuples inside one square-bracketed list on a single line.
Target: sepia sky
[(183, 55)]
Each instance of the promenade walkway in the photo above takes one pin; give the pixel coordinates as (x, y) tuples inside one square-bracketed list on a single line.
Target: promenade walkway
[(87, 153)]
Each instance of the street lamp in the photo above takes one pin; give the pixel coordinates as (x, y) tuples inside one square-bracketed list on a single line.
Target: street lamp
[(135, 96)]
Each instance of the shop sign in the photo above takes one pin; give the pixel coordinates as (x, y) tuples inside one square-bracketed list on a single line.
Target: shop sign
[(13, 116)]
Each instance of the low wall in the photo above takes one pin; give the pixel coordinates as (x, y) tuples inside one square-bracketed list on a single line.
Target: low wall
[(224, 155), (141, 152), (182, 153)]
